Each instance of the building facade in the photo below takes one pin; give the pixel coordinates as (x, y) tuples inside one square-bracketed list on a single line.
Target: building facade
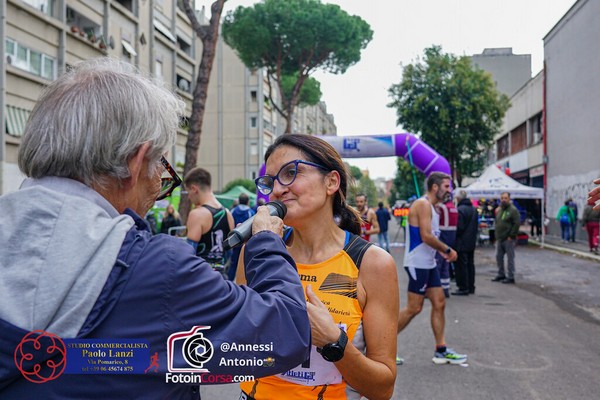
[(519, 149), (571, 56), (41, 38), (509, 71)]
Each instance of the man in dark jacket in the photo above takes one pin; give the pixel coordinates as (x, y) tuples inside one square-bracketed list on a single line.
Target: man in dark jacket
[(508, 221), (466, 239), (92, 305)]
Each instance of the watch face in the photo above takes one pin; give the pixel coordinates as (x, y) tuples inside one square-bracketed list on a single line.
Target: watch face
[(332, 352)]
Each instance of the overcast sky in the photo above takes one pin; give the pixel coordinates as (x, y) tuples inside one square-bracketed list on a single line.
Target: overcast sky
[(402, 30)]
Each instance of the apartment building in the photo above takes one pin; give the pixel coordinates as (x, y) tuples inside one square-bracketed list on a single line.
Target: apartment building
[(240, 122), (509, 71), (42, 38)]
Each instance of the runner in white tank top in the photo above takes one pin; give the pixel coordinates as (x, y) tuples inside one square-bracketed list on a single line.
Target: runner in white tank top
[(418, 254)]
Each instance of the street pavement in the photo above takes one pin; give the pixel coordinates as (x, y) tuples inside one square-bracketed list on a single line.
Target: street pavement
[(537, 339)]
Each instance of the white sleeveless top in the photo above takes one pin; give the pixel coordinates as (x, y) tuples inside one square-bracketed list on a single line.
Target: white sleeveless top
[(417, 254)]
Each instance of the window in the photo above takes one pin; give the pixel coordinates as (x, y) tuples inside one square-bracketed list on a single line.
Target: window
[(253, 96), (535, 124), (158, 70), (29, 60), (184, 46), (44, 6), (128, 4), (252, 122), (518, 139), (502, 147)]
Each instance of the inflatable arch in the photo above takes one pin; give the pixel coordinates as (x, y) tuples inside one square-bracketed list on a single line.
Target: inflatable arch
[(405, 145)]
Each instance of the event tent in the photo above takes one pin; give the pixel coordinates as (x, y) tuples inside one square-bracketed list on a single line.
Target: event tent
[(493, 182), (227, 198)]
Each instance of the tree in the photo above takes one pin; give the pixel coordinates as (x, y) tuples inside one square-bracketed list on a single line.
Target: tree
[(361, 184), (454, 107), (208, 34), (292, 39), (404, 182)]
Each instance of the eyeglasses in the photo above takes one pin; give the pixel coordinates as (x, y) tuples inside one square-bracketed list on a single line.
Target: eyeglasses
[(286, 176), (168, 184)]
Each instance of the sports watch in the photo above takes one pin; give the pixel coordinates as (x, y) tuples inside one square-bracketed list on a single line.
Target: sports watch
[(448, 250), (333, 352)]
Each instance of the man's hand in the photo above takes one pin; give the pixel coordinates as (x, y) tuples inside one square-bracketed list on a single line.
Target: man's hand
[(263, 221), (450, 257), (322, 326)]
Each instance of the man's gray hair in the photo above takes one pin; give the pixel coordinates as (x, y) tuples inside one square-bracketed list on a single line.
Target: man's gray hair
[(461, 195), (92, 120)]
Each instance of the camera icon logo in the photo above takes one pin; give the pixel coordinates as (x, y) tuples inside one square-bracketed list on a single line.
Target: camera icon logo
[(189, 351)]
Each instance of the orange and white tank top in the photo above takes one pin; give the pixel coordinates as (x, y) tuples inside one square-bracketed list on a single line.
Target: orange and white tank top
[(334, 281)]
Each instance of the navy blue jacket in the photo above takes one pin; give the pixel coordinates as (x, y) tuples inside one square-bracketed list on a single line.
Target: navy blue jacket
[(159, 287)]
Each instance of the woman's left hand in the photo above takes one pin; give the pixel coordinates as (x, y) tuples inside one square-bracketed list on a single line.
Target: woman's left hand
[(323, 328)]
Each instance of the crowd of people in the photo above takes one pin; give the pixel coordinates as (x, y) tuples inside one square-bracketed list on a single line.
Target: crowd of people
[(311, 283)]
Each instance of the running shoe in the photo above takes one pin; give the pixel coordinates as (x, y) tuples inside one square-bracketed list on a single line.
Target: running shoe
[(449, 357)]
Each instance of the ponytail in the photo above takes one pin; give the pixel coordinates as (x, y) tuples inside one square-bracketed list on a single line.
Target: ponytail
[(350, 219)]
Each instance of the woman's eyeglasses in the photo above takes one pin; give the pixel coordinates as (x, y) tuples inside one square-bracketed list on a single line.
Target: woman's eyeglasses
[(168, 184), (286, 176)]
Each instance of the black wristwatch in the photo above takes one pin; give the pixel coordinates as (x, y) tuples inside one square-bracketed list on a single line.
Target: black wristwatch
[(333, 352), (448, 250)]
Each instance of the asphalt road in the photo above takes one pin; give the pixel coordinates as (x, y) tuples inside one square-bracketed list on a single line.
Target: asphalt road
[(538, 339)]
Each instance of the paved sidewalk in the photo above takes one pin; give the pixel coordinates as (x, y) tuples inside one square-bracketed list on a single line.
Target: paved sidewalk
[(579, 247)]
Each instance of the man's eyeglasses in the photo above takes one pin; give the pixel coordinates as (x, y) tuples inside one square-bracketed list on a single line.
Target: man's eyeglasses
[(286, 176), (168, 184)]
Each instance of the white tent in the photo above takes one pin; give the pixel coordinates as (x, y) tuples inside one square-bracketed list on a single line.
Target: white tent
[(493, 182)]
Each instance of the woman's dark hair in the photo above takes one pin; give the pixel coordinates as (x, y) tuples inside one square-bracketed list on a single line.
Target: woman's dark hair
[(320, 152)]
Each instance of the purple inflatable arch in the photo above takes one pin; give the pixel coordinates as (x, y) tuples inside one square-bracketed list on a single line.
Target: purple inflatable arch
[(424, 158)]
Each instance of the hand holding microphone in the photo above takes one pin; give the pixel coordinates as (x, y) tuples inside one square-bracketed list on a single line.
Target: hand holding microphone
[(264, 220)]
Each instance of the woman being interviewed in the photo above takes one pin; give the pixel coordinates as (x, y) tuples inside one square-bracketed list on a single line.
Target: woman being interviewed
[(351, 286)]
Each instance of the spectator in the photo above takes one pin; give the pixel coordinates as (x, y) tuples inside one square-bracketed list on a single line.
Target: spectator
[(383, 216), (536, 219), (171, 219), (507, 224), (566, 219), (466, 240), (573, 206), (591, 223)]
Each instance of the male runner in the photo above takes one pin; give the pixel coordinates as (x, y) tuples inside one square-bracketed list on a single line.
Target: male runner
[(369, 225), (209, 223), (419, 262)]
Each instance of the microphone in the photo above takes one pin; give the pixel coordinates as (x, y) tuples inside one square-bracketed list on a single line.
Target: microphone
[(243, 232)]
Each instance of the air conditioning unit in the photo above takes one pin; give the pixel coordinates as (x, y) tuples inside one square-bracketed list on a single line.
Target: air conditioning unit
[(183, 85), (537, 137)]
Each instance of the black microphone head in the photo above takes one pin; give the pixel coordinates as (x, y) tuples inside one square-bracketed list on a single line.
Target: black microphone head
[(279, 207)]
